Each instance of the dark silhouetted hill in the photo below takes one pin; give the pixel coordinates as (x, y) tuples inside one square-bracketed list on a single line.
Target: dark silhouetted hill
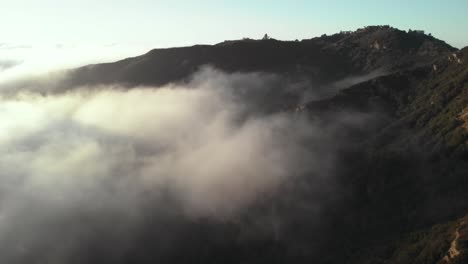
[(323, 59), (403, 175)]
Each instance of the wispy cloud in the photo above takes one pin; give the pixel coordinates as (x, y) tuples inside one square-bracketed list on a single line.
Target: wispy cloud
[(10, 46), (79, 159), (7, 64), (101, 152)]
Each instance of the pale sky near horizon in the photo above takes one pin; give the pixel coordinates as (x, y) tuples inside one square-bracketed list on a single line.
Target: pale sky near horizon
[(112, 29)]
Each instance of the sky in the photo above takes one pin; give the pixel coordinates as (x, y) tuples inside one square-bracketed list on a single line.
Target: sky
[(95, 31)]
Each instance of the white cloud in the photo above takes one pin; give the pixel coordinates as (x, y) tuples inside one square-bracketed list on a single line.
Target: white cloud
[(107, 152)]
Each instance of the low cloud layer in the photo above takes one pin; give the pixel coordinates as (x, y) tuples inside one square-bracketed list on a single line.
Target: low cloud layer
[(71, 163)]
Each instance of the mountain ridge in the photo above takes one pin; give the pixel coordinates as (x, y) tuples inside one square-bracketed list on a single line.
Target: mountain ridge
[(401, 172), (323, 59)]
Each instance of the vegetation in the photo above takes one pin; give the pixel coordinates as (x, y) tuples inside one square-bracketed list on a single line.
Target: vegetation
[(403, 175)]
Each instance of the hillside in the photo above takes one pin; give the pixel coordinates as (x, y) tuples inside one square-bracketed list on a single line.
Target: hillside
[(441, 244), (393, 106), (416, 162), (323, 59)]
